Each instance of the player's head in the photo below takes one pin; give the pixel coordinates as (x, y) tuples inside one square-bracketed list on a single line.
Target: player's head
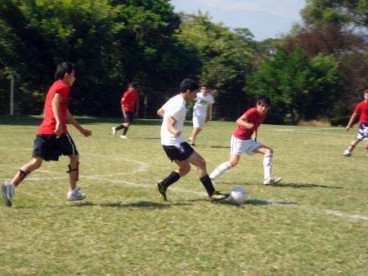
[(189, 87), (365, 95), (131, 86), (263, 104), (204, 88), (65, 72)]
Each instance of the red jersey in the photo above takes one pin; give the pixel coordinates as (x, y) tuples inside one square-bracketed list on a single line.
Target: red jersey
[(253, 117), (129, 100), (49, 122), (362, 110)]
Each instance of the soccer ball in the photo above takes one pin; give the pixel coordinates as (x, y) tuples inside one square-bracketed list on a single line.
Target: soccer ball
[(238, 195)]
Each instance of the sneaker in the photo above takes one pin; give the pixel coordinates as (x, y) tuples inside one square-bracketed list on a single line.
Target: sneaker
[(347, 153), (74, 195), (123, 137), (217, 196), (272, 180), (113, 131), (162, 190), (7, 190)]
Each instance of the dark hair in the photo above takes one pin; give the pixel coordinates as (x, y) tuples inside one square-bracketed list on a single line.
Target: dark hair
[(188, 84), (132, 84), (264, 100), (62, 69)]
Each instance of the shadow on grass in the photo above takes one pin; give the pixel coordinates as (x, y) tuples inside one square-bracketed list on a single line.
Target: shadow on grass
[(302, 186), (139, 204)]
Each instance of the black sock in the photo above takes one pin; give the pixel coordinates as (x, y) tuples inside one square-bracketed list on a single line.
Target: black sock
[(171, 179), (119, 127), (207, 183), (125, 130)]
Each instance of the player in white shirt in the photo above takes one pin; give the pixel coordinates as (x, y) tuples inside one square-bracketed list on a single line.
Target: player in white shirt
[(177, 150), (201, 112)]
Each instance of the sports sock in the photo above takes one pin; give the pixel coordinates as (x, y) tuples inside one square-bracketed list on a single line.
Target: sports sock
[(267, 166), (171, 179), (119, 127), (125, 130), (207, 183), (221, 169)]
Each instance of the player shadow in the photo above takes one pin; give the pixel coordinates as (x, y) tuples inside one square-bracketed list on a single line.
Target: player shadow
[(304, 185), (142, 204)]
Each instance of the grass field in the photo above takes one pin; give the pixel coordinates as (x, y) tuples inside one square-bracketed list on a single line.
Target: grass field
[(314, 223)]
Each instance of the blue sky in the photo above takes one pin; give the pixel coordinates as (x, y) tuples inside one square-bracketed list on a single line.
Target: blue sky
[(264, 18)]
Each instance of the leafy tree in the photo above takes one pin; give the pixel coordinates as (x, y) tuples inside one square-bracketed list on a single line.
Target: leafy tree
[(300, 87), (225, 57)]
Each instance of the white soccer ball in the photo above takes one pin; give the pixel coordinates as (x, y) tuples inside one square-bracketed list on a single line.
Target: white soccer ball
[(238, 195)]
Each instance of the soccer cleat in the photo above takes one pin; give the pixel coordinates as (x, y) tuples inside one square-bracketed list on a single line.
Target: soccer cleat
[(272, 180), (7, 191), (347, 153), (113, 131), (217, 196), (123, 137), (162, 190), (74, 195)]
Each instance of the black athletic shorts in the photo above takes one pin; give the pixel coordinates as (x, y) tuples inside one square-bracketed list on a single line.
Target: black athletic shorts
[(48, 147), (130, 116), (178, 152)]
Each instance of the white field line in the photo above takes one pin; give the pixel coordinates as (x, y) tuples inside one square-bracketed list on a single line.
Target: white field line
[(144, 166)]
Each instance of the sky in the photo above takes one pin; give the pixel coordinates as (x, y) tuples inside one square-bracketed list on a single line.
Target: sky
[(264, 18)]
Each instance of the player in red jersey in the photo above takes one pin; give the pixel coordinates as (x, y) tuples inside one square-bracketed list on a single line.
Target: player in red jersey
[(361, 110), (52, 139), (129, 107), (241, 141)]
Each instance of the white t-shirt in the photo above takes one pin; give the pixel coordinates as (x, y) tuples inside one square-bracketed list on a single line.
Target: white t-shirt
[(202, 101), (176, 108)]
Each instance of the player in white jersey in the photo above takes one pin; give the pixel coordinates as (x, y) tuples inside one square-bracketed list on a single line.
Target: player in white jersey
[(201, 112), (177, 150)]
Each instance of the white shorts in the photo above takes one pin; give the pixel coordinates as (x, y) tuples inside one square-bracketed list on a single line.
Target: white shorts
[(363, 132), (239, 146), (199, 122)]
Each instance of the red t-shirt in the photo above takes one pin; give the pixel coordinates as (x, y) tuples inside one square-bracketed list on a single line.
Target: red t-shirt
[(129, 100), (48, 124), (362, 110), (253, 117)]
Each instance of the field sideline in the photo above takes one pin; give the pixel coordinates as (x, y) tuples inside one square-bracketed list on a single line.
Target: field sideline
[(313, 223)]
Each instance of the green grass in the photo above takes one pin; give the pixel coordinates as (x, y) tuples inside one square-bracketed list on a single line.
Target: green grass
[(314, 223)]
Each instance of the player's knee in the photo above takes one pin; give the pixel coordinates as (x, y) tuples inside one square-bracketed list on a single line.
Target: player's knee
[(184, 170)]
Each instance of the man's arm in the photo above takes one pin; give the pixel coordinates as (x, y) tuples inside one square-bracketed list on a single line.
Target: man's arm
[(351, 121), (56, 110), (69, 117), (171, 126)]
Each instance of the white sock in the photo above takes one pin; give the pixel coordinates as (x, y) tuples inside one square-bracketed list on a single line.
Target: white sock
[(267, 166), (220, 170)]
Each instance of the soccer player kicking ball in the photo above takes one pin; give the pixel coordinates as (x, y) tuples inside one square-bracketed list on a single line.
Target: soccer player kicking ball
[(241, 141), (177, 150), (52, 139)]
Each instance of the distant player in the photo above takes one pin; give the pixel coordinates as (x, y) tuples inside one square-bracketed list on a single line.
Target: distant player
[(129, 108), (201, 112), (361, 109), (52, 139), (177, 150), (242, 142)]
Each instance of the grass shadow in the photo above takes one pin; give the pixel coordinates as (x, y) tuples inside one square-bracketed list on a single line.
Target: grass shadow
[(302, 186)]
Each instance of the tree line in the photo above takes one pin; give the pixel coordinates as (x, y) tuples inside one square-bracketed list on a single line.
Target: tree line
[(315, 72)]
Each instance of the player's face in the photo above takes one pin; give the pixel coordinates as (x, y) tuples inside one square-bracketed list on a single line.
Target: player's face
[(191, 95), (69, 79), (262, 108), (366, 97)]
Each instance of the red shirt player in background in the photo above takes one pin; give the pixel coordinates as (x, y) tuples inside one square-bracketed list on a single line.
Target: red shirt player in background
[(129, 108), (52, 139), (242, 142), (361, 109)]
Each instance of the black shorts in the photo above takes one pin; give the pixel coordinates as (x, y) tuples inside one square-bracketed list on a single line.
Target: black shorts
[(130, 116), (48, 147), (178, 152)]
